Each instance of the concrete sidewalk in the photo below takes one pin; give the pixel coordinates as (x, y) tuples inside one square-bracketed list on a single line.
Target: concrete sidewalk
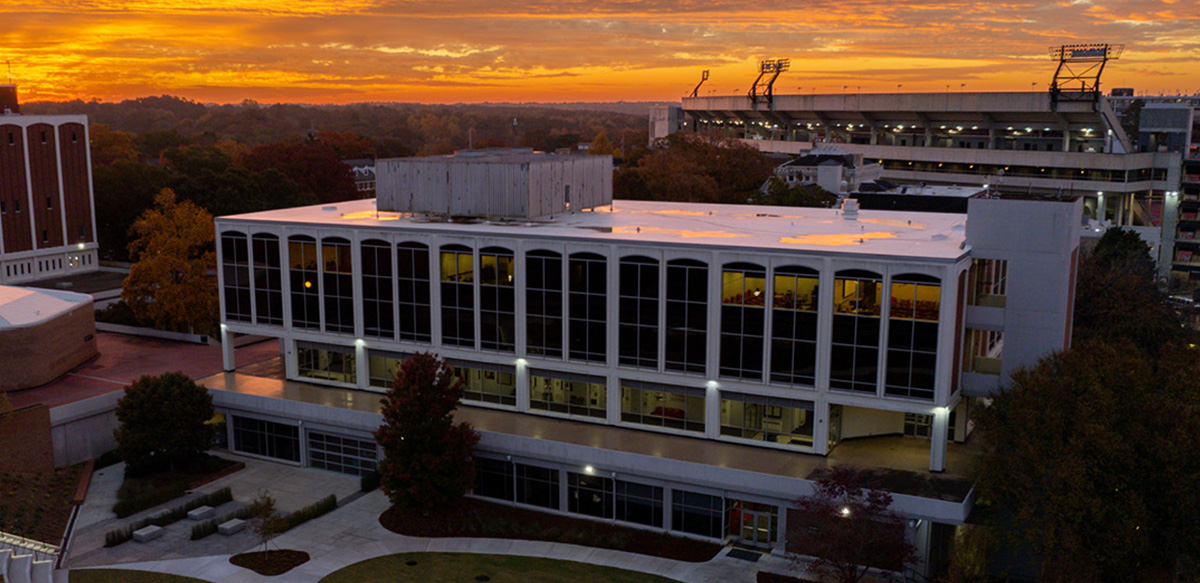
[(353, 534)]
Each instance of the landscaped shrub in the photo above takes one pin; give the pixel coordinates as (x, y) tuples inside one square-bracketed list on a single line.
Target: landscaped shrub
[(210, 526), (117, 536), (204, 529), (140, 502), (319, 508)]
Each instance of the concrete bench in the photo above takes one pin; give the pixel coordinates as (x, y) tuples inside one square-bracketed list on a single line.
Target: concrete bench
[(232, 527), (147, 534), (202, 513)]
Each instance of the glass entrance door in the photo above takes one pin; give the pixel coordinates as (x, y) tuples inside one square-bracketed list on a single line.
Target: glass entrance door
[(757, 528)]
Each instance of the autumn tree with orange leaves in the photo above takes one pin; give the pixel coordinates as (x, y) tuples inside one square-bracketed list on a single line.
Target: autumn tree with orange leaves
[(172, 281), (427, 456)]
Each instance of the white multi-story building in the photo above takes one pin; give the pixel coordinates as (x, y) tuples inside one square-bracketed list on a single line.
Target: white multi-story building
[(684, 367)]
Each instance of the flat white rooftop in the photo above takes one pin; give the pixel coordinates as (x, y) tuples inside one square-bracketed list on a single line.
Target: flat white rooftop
[(936, 236), (21, 307)]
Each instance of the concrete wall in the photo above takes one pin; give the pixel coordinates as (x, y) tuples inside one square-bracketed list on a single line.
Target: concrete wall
[(84, 429), (1041, 246), (25, 440), (35, 355)]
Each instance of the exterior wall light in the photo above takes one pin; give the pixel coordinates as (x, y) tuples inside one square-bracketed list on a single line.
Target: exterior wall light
[(589, 470)]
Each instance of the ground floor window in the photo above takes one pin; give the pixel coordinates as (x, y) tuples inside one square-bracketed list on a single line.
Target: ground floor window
[(266, 438), (639, 503), (589, 495), (537, 486), (574, 394), (342, 454), (382, 368), (918, 425), (487, 383), (326, 362), (662, 405), (767, 419), (696, 513), (494, 479)]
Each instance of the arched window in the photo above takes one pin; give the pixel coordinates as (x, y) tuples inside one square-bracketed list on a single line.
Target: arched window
[(912, 336), (544, 303), (794, 326), (338, 277), (587, 307), (458, 296), (857, 300), (497, 305), (414, 291), (268, 280), (379, 315), (743, 318), (687, 315), (637, 335), (235, 264), (304, 278)]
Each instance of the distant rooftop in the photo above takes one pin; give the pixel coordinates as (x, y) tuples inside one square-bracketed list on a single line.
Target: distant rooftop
[(880, 233), (21, 307)]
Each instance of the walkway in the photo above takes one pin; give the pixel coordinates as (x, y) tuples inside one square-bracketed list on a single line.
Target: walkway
[(353, 534), (291, 487)]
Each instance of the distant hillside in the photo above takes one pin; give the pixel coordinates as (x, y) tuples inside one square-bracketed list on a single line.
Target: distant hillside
[(425, 129)]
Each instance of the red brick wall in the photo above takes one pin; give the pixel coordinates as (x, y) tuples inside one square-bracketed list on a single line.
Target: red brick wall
[(43, 171), (25, 440), (72, 139), (12, 190)]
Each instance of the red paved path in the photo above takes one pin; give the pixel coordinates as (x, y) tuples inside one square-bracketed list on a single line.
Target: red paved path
[(123, 359)]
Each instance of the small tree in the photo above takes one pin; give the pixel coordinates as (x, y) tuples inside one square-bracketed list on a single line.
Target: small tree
[(780, 193), (163, 421), (171, 281), (427, 457), (265, 523), (844, 529)]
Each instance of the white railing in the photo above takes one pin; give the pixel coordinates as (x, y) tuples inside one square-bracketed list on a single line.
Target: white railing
[(21, 546)]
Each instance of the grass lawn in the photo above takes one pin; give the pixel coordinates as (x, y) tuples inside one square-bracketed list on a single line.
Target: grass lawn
[(38, 506), (125, 576), (460, 567)]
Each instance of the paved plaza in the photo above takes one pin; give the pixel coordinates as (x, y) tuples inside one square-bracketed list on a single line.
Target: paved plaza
[(346, 536)]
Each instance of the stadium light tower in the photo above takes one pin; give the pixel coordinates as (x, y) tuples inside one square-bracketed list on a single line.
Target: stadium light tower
[(703, 78), (1082, 64), (763, 91)]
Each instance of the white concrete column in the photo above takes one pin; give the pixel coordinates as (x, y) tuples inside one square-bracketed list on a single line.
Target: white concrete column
[(522, 380), (712, 410), (937, 445), (228, 359), (821, 427), (362, 366)]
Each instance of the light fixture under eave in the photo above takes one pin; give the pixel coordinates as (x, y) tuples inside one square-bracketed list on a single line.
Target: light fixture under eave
[(589, 470)]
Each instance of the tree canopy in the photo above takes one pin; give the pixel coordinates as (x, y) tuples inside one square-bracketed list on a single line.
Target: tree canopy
[(844, 529), (171, 281), (1117, 298), (427, 457), (691, 167), (780, 193), (163, 421), (1089, 459)]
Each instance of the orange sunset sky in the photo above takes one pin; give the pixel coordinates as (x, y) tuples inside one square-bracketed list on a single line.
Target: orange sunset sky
[(340, 51)]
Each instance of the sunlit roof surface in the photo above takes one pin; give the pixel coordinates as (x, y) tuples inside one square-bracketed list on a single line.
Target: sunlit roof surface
[(887, 233)]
